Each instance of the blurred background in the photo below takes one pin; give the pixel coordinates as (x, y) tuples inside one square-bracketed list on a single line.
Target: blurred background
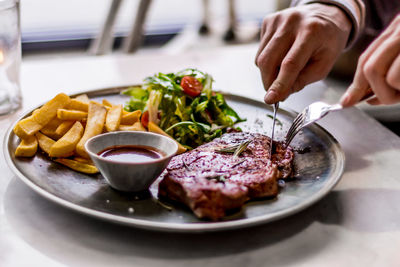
[(60, 28)]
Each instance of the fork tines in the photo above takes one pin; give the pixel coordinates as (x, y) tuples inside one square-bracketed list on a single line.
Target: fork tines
[(294, 128)]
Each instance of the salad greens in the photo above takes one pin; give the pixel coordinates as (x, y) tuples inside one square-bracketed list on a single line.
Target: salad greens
[(186, 108)]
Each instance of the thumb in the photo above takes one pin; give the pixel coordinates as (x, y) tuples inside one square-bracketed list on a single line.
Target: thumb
[(276, 92), (357, 89)]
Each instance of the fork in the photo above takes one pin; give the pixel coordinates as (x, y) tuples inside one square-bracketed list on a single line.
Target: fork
[(309, 115), (315, 112)]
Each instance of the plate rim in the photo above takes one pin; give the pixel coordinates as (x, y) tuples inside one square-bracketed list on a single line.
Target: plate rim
[(171, 226)]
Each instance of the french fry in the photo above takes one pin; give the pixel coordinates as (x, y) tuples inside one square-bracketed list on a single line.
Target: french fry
[(50, 128), (66, 144), (83, 98), (78, 166), (40, 117), (107, 103), (53, 124), (83, 160), (137, 126), (64, 127), (50, 133), (75, 104), (155, 129), (27, 147), (45, 142), (131, 117), (76, 115), (27, 127), (49, 110), (94, 126), (113, 118)]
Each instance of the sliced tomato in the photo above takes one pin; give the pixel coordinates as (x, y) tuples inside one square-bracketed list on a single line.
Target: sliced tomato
[(145, 119), (191, 86)]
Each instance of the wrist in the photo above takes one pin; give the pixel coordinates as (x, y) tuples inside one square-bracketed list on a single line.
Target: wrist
[(348, 11), (335, 15)]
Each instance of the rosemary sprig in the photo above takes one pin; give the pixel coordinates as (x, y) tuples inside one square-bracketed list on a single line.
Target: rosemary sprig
[(238, 163), (185, 165), (241, 148), (228, 149), (165, 206), (277, 121), (235, 149)]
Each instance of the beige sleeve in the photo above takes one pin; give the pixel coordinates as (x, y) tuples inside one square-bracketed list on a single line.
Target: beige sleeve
[(354, 9)]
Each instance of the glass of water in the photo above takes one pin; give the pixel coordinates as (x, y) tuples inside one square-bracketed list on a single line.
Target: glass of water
[(10, 56)]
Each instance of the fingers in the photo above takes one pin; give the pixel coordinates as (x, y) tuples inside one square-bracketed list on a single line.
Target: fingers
[(270, 59), (373, 72), (295, 42), (393, 74), (377, 66), (269, 52), (268, 29), (274, 46), (356, 91), (292, 64), (375, 101), (309, 74)]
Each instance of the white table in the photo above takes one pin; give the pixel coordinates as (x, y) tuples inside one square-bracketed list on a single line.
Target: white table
[(358, 224)]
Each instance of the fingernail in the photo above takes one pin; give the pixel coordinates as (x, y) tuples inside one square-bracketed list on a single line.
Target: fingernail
[(270, 97)]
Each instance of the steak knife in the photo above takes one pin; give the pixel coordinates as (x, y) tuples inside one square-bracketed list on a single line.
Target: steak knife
[(276, 107)]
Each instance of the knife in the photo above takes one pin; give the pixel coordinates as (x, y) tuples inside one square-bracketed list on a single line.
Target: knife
[(276, 107)]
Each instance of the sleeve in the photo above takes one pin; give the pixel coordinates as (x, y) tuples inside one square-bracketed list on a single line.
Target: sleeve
[(354, 9)]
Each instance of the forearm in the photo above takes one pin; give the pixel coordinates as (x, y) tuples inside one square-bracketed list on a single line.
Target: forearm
[(354, 9)]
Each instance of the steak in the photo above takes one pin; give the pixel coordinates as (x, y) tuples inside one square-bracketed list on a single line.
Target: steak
[(213, 183)]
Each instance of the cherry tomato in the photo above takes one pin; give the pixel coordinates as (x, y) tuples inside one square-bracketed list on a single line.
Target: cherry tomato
[(145, 119), (191, 86)]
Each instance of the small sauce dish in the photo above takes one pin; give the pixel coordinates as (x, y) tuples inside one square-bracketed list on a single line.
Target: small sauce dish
[(131, 161)]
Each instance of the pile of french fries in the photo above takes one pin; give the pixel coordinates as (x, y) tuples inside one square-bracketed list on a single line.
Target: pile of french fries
[(61, 127)]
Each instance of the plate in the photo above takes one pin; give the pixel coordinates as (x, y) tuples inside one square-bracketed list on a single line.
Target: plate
[(316, 172)]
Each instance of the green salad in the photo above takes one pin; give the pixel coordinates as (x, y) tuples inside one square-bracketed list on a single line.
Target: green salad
[(183, 105)]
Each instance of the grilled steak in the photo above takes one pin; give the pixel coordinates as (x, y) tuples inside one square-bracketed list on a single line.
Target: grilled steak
[(212, 183)]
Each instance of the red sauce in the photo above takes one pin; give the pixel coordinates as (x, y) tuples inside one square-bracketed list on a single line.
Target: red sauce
[(130, 153)]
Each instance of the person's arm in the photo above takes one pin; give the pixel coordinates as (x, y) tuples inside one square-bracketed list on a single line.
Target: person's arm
[(378, 68), (299, 46)]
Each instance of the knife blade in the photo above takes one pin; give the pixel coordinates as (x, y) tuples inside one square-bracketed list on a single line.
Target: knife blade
[(276, 107)]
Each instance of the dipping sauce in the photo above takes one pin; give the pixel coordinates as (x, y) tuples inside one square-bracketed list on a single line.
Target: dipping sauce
[(131, 153)]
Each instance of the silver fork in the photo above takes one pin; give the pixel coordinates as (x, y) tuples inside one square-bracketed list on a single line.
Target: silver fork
[(309, 115), (315, 112)]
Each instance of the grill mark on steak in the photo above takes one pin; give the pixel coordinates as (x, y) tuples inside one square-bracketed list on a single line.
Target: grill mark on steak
[(194, 178)]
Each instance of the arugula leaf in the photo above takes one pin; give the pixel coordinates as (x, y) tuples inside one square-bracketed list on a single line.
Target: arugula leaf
[(226, 109), (191, 72), (203, 127), (201, 106), (139, 97), (162, 82)]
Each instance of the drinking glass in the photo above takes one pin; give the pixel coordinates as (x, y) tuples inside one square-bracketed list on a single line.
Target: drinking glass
[(10, 56)]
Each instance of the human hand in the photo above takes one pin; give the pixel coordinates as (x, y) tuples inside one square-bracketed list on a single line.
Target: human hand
[(378, 69), (299, 46)]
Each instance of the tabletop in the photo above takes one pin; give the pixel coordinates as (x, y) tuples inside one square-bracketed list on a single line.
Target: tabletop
[(357, 224)]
